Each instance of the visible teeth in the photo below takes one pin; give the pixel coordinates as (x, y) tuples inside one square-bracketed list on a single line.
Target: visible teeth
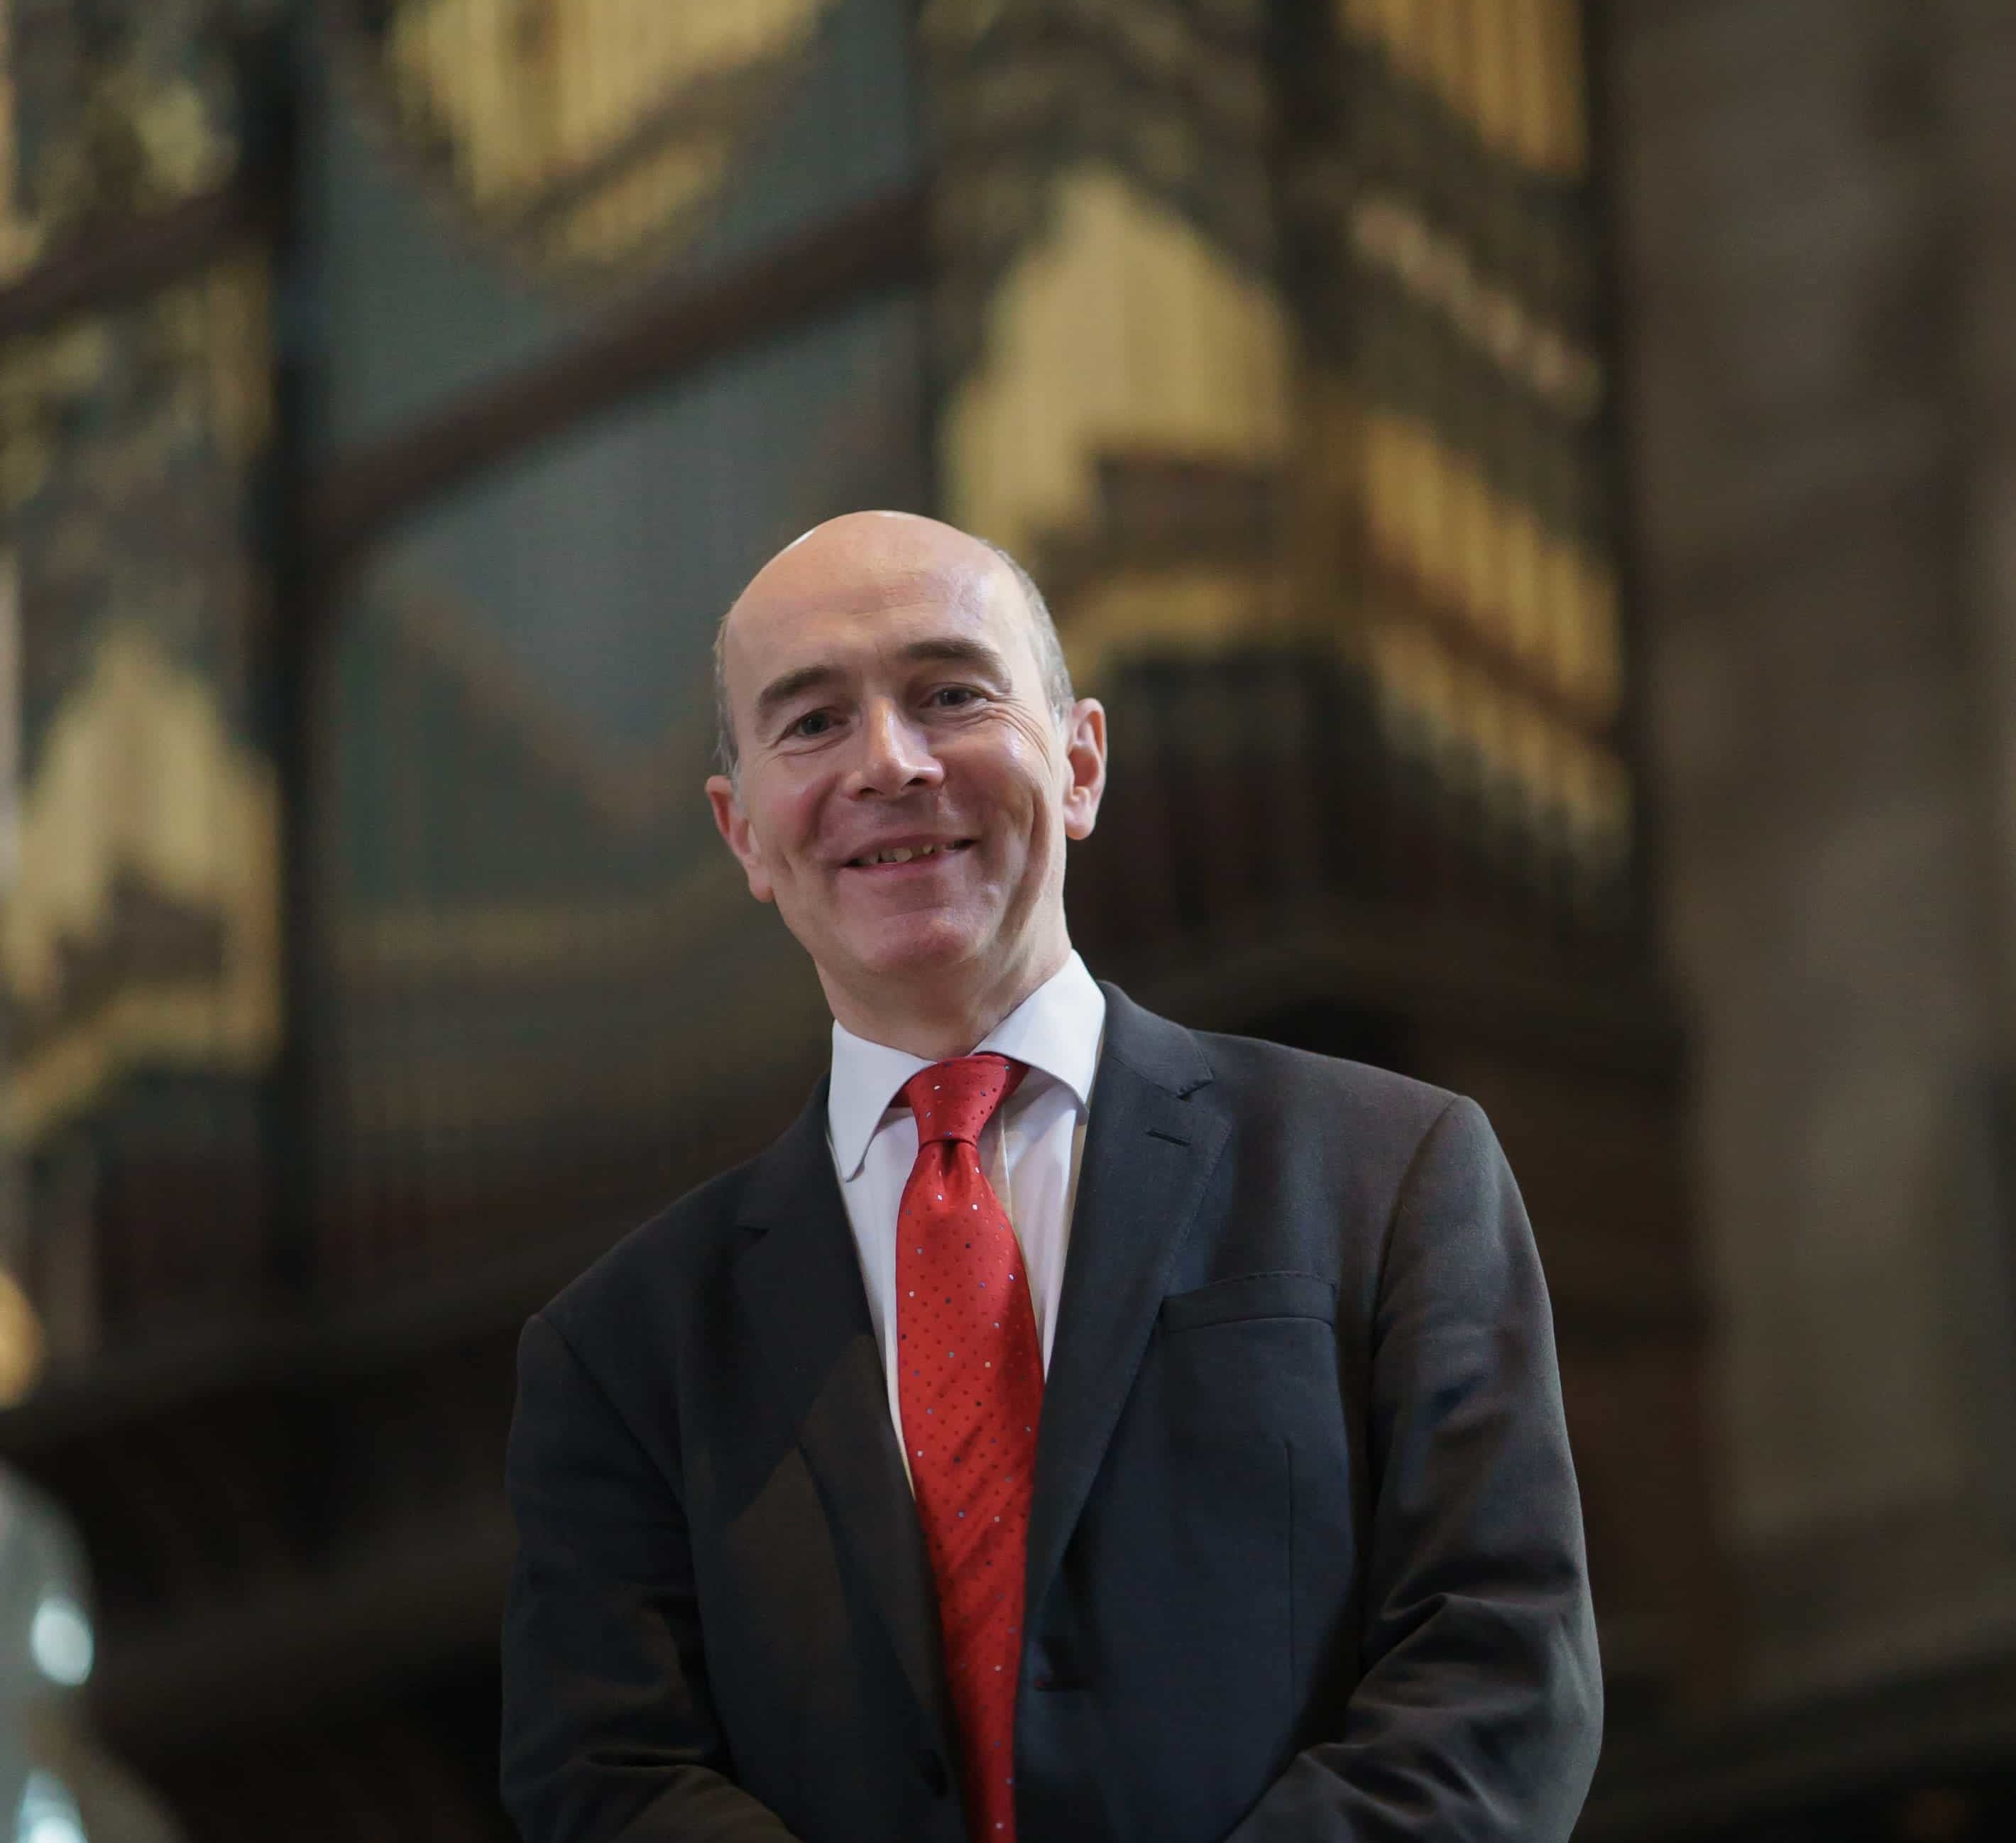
[(902, 854)]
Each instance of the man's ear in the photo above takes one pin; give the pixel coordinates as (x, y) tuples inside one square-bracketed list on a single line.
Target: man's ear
[(1085, 754), (732, 824)]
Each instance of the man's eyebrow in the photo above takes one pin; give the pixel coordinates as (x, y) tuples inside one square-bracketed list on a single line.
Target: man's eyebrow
[(976, 653), (788, 687)]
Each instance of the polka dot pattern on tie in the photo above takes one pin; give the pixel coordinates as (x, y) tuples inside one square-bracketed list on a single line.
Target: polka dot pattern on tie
[(971, 1392)]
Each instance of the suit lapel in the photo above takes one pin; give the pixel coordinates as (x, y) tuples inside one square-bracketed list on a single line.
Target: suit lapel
[(801, 1283), (1151, 1144)]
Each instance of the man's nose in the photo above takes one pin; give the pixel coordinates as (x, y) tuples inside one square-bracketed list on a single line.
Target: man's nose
[(895, 756)]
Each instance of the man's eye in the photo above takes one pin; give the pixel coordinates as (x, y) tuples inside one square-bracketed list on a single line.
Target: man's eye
[(950, 697), (813, 723)]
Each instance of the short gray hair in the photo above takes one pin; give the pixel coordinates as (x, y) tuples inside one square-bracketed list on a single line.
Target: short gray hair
[(1043, 632)]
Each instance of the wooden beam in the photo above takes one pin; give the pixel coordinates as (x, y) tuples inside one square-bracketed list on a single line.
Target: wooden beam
[(877, 245), (1416, 600), (108, 269)]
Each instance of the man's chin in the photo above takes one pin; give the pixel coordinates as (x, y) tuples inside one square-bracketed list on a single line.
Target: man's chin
[(917, 946)]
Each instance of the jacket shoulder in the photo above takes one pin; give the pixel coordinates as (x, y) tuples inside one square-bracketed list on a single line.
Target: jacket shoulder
[(1347, 1130), (1367, 1122), (1251, 1068)]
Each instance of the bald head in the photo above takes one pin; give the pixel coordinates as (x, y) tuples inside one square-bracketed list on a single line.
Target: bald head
[(869, 557)]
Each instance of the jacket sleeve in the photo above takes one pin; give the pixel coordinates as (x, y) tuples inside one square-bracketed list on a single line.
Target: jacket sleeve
[(608, 1732), (1480, 1711)]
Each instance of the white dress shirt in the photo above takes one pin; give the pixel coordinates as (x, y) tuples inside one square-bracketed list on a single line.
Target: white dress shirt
[(1030, 1150)]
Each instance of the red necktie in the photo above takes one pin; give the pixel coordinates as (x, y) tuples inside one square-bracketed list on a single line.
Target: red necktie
[(971, 1390)]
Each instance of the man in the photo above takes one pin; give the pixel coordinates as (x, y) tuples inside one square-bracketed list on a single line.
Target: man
[(1073, 1426)]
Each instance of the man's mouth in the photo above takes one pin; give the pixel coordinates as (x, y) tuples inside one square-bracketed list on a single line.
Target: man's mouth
[(904, 854)]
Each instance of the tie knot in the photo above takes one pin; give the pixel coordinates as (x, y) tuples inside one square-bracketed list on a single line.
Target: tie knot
[(953, 1100)]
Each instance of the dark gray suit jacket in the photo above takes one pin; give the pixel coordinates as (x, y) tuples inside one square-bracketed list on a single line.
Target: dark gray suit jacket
[(1305, 1557)]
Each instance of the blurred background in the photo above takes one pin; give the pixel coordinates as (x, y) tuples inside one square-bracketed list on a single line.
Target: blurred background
[(1535, 487)]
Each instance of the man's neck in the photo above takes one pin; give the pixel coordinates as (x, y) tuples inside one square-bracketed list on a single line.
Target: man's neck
[(921, 1019)]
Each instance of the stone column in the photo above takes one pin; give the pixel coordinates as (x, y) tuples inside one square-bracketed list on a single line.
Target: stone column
[(1816, 502)]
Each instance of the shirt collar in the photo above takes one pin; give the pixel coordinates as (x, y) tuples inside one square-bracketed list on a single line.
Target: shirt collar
[(1056, 1029)]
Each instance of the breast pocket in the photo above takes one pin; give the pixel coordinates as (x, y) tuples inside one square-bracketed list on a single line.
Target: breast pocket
[(1257, 1354), (1252, 1296)]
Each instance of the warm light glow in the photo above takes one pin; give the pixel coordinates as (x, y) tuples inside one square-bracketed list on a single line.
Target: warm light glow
[(1512, 69), (588, 128), (1390, 232), (1485, 557), (1123, 327), (21, 1344), (140, 772)]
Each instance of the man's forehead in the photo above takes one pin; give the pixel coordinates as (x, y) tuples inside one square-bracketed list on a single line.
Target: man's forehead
[(809, 594), (813, 610)]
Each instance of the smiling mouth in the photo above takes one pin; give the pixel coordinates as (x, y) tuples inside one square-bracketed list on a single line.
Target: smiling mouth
[(904, 854)]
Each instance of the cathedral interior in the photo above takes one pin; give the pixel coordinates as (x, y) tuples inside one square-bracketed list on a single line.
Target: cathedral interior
[(1535, 487)]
